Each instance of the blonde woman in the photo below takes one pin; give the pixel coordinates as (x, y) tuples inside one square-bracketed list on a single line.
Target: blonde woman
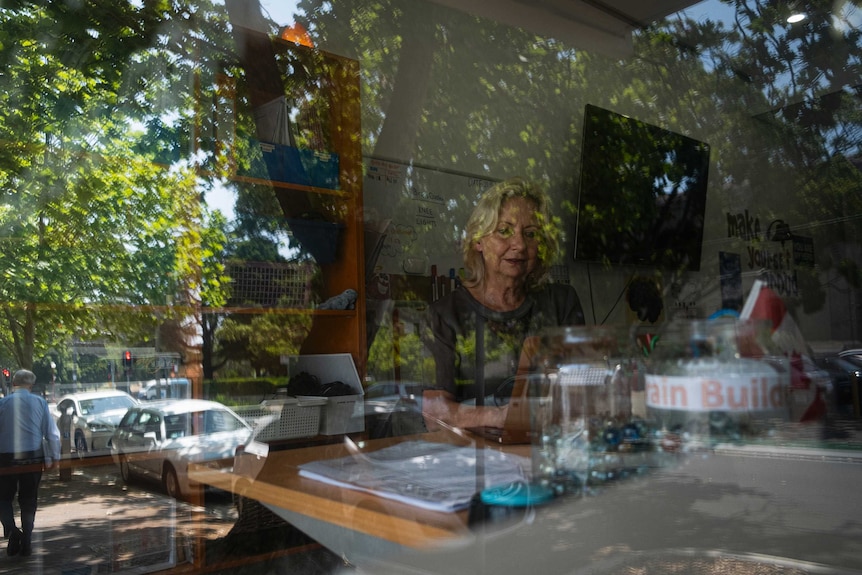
[(478, 331)]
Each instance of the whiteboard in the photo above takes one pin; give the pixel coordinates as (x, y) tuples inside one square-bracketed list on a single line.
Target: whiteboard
[(421, 212)]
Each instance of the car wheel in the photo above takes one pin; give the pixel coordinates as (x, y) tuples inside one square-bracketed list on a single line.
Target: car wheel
[(125, 471), (80, 444), (171, 482)]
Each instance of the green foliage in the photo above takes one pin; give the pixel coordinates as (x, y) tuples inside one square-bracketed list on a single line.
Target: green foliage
[(229, 391), (115, 118), (261, 338), (97, 228), (412, 361)]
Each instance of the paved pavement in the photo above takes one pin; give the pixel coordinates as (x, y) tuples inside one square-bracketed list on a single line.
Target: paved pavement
[(94, 524)]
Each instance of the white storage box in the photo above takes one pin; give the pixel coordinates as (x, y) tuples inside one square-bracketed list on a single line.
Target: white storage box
[(343, 413), (299, 417), (286, 418)]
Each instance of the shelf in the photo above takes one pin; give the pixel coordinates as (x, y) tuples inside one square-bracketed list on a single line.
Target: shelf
[(289, 186), (323, 313), (327, 96)]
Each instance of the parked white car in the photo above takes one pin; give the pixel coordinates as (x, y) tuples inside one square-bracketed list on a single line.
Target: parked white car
[(158, 440), (95, 415)]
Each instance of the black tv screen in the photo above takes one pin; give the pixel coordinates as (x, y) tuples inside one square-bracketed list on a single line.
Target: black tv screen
[(642, 194)]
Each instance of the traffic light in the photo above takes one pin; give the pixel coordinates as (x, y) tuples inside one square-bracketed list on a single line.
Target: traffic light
[(7, 375), (127, 360)]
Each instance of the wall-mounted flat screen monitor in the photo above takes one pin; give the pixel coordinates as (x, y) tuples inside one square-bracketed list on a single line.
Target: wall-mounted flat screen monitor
[(642, 194)]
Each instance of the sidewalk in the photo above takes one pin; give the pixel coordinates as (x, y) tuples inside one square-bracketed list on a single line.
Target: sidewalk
[(94, 524)]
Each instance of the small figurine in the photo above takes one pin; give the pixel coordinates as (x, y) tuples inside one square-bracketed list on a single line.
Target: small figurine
[(344, 300)]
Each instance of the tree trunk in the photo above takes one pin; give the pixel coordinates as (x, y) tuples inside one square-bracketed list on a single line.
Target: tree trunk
[(397, 140)]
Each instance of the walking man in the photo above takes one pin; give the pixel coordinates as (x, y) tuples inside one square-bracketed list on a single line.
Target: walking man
[(29, 443)]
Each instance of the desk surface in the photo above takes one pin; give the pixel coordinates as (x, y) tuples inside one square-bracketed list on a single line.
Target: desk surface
[(705, 507), (298, 499)]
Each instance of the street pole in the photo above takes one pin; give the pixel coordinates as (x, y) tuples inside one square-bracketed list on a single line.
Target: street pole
[(65, 425)]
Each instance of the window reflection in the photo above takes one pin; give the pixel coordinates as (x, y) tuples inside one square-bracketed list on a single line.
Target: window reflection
[(180, 184)]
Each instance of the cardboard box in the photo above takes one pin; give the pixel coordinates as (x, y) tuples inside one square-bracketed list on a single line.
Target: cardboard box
[(343, 413)]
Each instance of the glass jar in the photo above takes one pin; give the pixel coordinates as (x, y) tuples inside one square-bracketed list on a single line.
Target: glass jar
[(714, 380), (589, 420)]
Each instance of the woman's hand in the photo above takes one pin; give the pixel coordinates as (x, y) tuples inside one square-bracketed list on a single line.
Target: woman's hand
[(440, 410)]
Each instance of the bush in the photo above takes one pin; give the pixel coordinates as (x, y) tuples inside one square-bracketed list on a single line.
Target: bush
[(239, 390)]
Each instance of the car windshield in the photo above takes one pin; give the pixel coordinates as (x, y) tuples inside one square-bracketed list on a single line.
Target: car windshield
[(103, 404), (217, 420)]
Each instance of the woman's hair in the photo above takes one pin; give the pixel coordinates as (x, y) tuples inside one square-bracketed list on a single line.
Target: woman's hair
[(484, 220)]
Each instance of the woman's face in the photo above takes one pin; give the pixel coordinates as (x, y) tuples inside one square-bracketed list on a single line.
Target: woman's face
[(511, 250)]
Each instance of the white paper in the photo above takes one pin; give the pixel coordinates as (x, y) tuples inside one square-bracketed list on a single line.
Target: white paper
[(433, 476)]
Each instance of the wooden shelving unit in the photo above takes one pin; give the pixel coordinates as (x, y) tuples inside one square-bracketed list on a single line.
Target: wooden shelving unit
[(334, 331)]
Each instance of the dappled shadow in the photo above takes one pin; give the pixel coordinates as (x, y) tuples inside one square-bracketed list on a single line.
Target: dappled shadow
[(95, 523)]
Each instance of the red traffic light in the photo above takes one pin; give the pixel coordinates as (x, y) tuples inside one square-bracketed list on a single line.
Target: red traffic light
[(127, 358), (6, 372)]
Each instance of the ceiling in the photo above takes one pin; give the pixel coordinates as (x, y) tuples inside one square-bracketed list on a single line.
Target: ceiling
[(605, 25)]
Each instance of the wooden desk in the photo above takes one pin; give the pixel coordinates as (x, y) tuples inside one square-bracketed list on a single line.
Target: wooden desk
[(352, 523)]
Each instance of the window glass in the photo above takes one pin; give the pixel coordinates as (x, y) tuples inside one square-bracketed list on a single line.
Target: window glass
[(381, 390), (268, 205), (129, 419), (218, 420), (151, 423), (177, 425)]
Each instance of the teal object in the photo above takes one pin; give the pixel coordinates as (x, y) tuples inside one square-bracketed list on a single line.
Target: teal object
[(517, 495)]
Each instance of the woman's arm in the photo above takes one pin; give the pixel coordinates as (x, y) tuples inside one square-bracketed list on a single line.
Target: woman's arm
[(440, 409)]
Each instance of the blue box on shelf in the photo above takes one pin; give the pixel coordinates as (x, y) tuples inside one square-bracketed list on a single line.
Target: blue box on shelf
[(321, 168), (302, 166)]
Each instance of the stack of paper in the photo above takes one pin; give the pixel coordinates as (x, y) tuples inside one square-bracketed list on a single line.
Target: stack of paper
[(433, 476)]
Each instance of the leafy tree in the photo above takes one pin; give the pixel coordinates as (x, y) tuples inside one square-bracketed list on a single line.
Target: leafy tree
[(96, 231), (261, 338)]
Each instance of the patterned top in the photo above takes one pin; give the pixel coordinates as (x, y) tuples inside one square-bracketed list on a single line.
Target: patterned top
[(464, 333)]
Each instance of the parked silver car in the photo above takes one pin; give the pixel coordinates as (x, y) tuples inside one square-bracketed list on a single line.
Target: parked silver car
[(158, 440), (95, 415)]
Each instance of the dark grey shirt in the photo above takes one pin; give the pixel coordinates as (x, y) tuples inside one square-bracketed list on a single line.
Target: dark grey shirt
[(453, 342)]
